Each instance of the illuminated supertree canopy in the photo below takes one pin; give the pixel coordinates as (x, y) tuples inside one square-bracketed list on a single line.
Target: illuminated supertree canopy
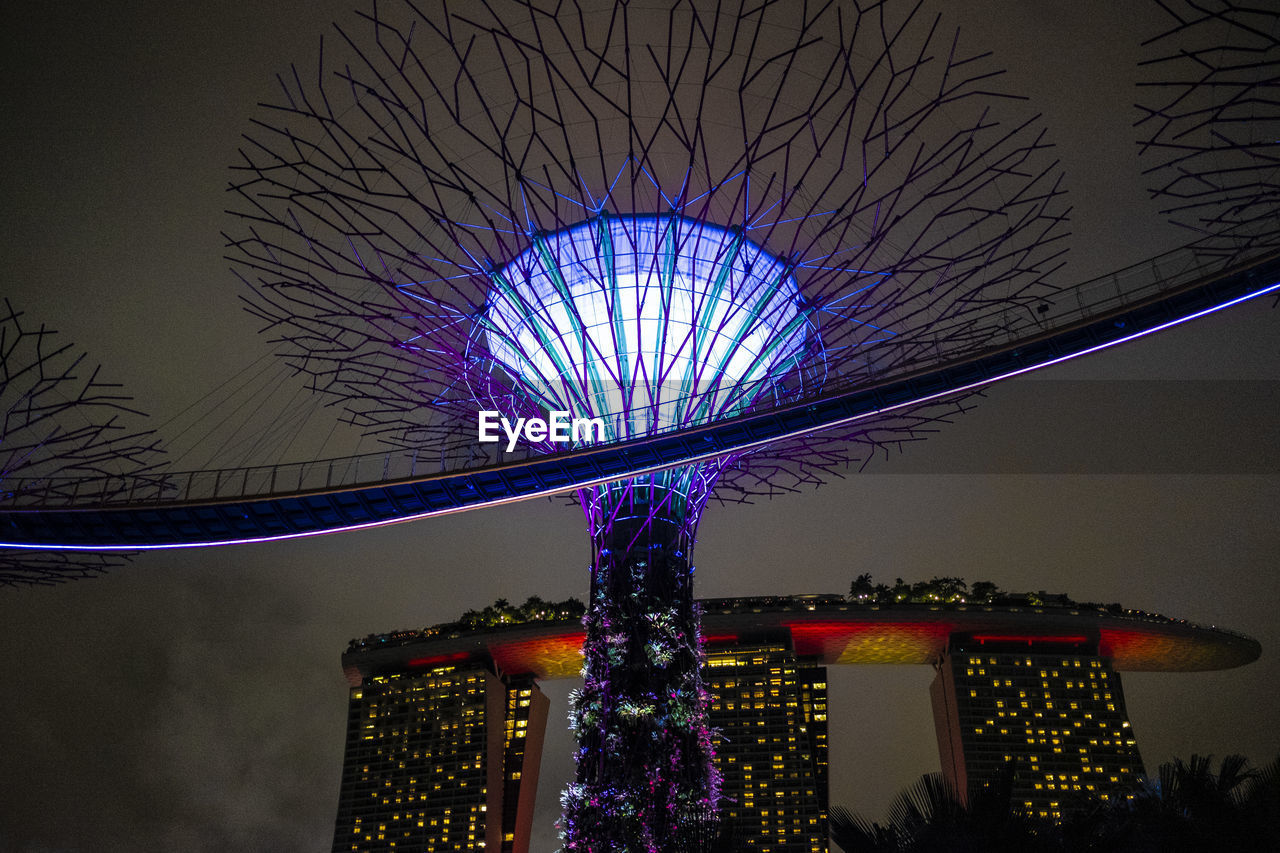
[(380, 201), (61, 424), (648, 322), (657, 217)]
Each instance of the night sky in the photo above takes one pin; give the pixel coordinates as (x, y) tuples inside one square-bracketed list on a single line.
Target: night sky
[(194, 700)]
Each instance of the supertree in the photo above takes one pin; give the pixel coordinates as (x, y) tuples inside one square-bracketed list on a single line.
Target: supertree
[(657, 217), (62, 427)]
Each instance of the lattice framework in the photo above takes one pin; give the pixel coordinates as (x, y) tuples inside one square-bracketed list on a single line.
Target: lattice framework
[(60, 425), (1210, 119)]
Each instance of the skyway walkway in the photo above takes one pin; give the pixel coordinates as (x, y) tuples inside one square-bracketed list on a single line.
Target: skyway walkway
[(200, 508)]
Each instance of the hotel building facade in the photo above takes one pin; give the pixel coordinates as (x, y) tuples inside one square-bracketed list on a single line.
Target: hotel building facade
[(436, 759), (1048, 713), (445, 726)]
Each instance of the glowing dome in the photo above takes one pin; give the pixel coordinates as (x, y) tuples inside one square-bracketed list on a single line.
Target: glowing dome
[(649, 322)]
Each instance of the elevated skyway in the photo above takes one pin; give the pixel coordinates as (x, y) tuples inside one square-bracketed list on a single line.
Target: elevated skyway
[(199, 508)]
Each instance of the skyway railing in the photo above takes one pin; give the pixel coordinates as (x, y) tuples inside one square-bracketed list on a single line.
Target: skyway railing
[(1191, 267)]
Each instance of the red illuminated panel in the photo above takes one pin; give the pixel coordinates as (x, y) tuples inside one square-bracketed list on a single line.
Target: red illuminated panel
[(438, 660), (557, 656), (1029, 639), (719, 638)]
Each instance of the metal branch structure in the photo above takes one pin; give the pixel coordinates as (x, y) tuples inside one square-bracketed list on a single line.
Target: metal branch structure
[(61, 424), (654, 217), (380, 199), (1211, 120)]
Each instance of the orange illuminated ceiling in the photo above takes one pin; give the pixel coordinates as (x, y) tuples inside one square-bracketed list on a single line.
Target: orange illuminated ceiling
[(557, 655)]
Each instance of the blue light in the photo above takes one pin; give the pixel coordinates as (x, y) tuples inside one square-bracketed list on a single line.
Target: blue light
[(650, 322)]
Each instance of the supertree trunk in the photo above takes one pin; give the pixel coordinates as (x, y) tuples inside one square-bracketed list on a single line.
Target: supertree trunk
[(645, 778)]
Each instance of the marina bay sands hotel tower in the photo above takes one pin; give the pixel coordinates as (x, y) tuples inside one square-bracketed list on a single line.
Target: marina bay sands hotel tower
[(446, 725)]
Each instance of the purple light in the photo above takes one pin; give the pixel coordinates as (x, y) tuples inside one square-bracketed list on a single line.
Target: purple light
[(589, 483)]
